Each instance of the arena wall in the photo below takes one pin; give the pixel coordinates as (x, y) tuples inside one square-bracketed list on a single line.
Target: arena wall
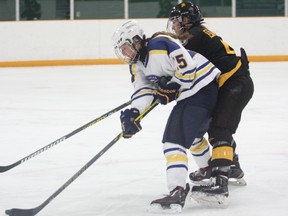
[(82, 42)]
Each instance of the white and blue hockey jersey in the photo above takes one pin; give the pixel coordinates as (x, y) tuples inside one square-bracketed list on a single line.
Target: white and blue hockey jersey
[(167, 57)]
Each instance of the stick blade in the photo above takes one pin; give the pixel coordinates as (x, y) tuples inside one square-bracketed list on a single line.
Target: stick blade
[(21, 212), (3, 169), (6, 168)]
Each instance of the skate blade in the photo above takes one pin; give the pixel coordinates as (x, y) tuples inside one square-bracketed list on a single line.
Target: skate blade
[(210, 200), (158, 209), (237, 182), (231, 181), (202, 182)]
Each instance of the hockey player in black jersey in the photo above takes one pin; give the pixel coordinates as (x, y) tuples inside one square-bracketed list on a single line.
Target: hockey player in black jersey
[(235, 90)]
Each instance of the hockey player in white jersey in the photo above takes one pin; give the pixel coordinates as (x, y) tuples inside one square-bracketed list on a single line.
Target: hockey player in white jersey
[(162, 69)]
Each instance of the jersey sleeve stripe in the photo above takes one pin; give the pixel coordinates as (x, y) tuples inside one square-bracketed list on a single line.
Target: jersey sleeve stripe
[(143, 91), (188, 76)]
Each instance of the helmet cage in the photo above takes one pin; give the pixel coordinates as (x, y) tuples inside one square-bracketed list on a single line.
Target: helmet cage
[(185, 9), (128, 36), (127, 51), (174, 15)]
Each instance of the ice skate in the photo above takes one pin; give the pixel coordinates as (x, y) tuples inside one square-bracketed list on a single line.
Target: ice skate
[(172, 203), (213, 194), (236, 176), (202, 175)]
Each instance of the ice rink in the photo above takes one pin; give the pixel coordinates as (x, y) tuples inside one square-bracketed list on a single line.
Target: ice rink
[(41, 104)]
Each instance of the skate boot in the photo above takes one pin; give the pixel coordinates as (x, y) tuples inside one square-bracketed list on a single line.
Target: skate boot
[(236, 174), (200, 175), (216, 193), (172, 203)]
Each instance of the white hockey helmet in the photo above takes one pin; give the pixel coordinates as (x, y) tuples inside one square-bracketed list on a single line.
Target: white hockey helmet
[(129, 33)]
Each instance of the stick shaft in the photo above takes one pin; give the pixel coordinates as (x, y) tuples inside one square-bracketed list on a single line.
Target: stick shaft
[(34, 211), (61, 139)]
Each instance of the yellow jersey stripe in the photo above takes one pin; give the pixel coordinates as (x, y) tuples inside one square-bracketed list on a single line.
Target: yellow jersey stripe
[(192, 76), (224, 77), (158, 52), (133, 71)]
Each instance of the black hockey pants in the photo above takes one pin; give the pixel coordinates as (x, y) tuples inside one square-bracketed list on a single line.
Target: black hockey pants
[(233, 96)]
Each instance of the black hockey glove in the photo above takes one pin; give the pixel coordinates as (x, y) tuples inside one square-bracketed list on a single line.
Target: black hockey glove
[(128, 123), (167, 92)]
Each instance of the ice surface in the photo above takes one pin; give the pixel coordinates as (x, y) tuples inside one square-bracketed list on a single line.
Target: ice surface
[(41, 104)]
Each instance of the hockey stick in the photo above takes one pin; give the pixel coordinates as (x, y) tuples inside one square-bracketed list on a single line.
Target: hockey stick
[(34, 211), (8, 167)]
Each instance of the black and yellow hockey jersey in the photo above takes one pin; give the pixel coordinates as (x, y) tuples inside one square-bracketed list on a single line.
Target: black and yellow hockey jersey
[(216, 51)]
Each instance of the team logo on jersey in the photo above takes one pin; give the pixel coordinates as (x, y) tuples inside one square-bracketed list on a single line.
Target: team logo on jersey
[(152, 78)]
